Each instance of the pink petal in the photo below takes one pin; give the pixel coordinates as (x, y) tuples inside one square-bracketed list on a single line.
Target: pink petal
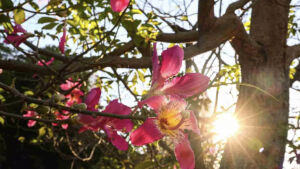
[(187, 85), (85, 119), (1, 70), (19, 28), (50, 61), (119, 5), (155, 65), (125, 125), (155, 102), (66, 86), (184, 154), (15, 39), (65, 126), (146, 133), (91, 123), (62, 41), (93, 98), (40, 63), (114, 107), (116, 139), (171, 62), (31, 123), (30, 114)]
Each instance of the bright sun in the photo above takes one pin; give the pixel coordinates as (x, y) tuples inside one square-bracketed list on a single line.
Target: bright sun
[(225, 126)]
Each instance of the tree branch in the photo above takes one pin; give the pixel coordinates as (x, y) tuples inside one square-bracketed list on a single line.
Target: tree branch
[(206, 17), (19, 66), (33, 118), (60, 107), (179, 37), (236, 5)]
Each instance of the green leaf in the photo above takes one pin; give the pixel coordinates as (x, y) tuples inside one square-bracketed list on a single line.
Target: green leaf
[(141, 76), (21, 139), (19, 16), (5, 21), (28, 93), (34, 6), (2, 121), (136, 11), (42, 131), (145, 165), (49, 26), (46, 19), (6, 4), (184, 18)]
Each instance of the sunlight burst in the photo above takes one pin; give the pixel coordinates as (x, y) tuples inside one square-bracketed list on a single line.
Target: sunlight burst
[(225, 126)]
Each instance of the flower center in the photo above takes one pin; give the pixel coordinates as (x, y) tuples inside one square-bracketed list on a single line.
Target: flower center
[(169, 121)]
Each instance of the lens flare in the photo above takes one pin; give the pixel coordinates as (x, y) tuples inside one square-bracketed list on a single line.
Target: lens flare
[(225, 126)]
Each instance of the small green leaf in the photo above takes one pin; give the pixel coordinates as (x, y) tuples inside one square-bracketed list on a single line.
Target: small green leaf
[(46, 20), (42, 131), (184, 18), (5, 21), (136, 11), (49, 26), (19, 16), (21, 139), (2, 121), (34, 6), (141, 76), (28, 93)]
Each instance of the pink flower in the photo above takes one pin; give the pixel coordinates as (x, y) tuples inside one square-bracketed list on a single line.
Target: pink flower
[(40, 62), (60, 116), (93, 98), (111, 126), (1, 70), (172, 119), (119, 5), (16, 39), (30, 113), (163, 82), (62, 41), (75, 94)]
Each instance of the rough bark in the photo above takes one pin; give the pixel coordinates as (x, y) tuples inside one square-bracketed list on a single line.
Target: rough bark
[(263, 109)]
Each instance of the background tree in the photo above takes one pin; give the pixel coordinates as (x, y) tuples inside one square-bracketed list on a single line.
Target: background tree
[(113, 51)]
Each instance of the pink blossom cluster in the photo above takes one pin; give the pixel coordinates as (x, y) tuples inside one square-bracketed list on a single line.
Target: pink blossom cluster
[(74, 97), (166, 97)]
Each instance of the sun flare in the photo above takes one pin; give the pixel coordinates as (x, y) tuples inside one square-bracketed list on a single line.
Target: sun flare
[(225, 126)]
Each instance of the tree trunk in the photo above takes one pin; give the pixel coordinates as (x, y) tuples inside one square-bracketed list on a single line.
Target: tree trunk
[(263, 103)]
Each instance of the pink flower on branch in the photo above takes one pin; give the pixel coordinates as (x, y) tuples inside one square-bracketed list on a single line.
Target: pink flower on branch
[(75, 95), (62, 41), (16, 39), (61, 116), (172, 119), (119, 5), (30, 113), (163, 72), (40, 62), (111, 126)]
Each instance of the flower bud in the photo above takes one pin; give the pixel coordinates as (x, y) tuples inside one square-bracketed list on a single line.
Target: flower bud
[(80, 106), (42, 109), (58, 97)]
